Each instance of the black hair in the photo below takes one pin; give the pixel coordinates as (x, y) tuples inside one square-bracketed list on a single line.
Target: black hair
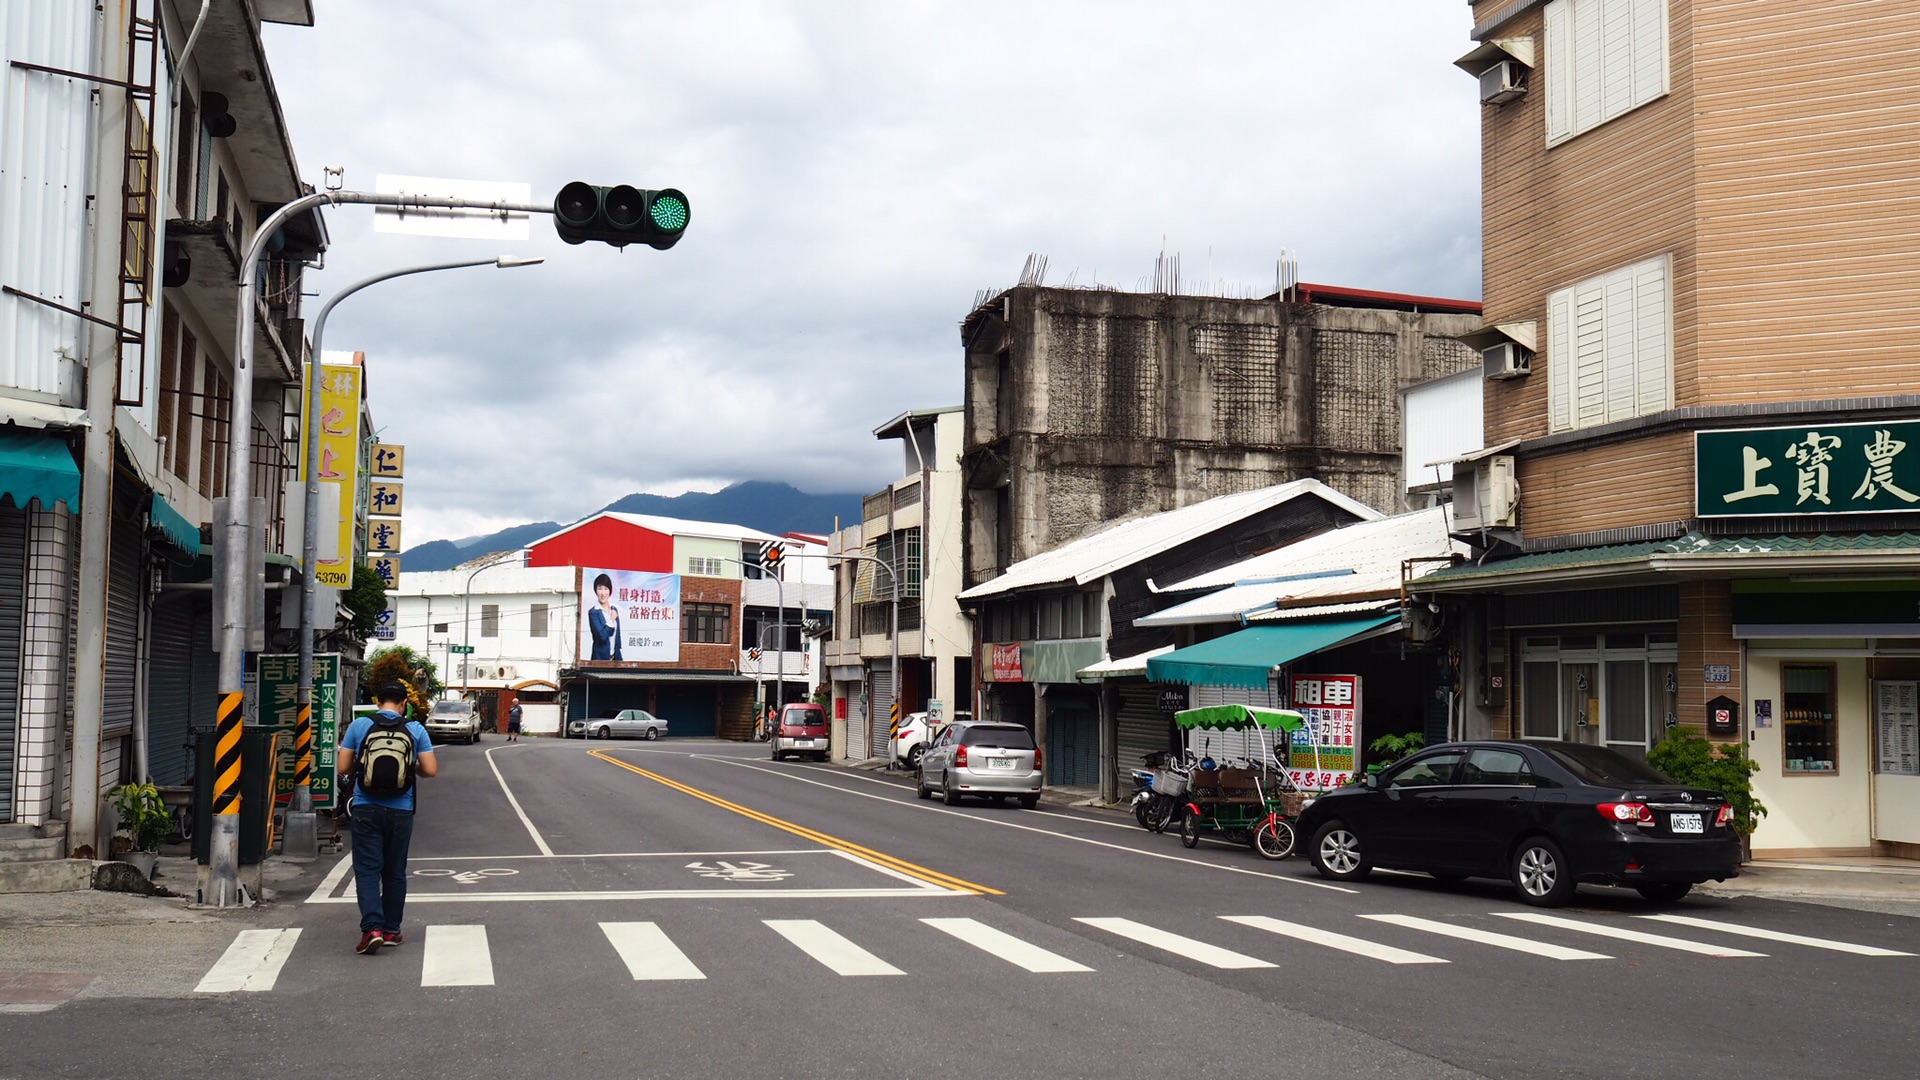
[(393, 691), (602, 580)]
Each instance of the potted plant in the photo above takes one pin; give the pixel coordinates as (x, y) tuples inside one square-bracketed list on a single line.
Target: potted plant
[(145, 818), (1692, 760)]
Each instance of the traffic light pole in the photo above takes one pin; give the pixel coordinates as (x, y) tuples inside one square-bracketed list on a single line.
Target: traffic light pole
[(234, 531)]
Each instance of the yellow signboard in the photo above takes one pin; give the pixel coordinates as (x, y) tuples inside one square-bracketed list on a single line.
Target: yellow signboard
[(383, 534), (339, 465), (389, 461), (385, 499), (388, 567)]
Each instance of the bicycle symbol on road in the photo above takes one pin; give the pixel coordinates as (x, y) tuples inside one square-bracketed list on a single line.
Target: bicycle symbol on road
[(740, 871), (466, 877)]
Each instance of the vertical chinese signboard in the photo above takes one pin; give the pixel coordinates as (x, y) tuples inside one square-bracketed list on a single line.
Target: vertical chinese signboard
[(278, 695), (386, 497), (1321, 755), (339, 465), (1825, 469)]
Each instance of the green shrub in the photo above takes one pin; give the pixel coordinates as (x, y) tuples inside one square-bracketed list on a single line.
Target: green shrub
[(1388, 749), (143, 815), (1687, 757)]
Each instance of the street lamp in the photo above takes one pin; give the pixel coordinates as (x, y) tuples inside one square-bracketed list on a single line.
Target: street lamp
[(310, 525)]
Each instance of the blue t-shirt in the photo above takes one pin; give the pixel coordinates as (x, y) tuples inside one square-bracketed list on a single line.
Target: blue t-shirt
[(357, 734)]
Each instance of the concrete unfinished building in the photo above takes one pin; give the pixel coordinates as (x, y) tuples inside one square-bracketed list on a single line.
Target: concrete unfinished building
[(1084, 406)]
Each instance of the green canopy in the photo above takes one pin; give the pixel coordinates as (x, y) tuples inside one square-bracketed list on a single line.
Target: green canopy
[(1240, 717), (1248, 657), (36, 465), (180, 532)]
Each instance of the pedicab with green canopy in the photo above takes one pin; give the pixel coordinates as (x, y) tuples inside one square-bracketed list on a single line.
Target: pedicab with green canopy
[(1252, 806)]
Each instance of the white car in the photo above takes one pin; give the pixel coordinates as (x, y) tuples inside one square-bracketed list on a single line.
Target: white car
[(627, 723), (453, 719), (916, 732)]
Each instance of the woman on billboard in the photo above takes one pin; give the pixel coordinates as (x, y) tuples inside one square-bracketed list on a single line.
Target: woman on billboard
[(603, 619)]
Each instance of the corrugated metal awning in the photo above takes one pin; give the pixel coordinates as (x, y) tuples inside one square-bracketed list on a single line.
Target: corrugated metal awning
[(1248, 657)]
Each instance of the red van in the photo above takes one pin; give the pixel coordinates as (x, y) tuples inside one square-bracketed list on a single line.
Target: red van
[(802, 730)]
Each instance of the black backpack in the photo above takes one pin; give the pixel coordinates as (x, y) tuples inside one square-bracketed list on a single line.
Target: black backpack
[(386, 758)]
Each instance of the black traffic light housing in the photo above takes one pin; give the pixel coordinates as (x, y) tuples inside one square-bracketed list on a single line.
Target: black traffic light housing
[(620, 215)]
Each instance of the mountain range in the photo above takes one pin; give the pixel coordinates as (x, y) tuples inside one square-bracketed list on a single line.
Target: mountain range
[(757, 504)]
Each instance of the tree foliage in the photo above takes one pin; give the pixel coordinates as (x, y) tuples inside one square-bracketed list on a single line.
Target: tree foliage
[(1687, 757), (366, 600), (1388, 749), (414, 670)]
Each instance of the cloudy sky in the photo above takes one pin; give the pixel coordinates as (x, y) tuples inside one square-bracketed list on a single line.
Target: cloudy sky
[(857, 171)]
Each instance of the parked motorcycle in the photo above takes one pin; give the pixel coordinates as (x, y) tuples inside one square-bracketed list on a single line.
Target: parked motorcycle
[(1159, 790)]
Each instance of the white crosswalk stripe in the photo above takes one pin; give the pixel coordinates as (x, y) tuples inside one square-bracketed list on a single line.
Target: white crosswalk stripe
[(648, 953), (1489, 937), (1623, 934), (1317, 936), (1775, 935), (1005, 946), (456, 956), (1211, 955), (251, 963), (841, 956)]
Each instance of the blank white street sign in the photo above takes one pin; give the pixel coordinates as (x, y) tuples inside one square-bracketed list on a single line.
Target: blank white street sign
[(461, 224)]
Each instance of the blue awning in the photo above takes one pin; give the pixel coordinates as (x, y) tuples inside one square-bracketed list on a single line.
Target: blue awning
[(180, 532), (35, 465), (1248, 657)]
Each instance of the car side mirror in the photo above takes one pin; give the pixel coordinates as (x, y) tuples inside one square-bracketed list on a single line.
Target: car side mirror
[(1372, 781)]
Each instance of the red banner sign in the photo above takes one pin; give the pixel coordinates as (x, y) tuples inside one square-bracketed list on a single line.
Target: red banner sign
[(1006, 663)]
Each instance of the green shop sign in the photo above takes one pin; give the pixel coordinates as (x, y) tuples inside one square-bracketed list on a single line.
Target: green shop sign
[(1818, 469)]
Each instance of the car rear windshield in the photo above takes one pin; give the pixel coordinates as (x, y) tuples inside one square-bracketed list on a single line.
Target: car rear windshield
[(804, 717), (1606, 768), (997, 737)]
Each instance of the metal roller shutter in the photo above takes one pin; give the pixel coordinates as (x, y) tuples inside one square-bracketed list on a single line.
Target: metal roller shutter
[(1143, 727), (170, 691), (1252, 745), (13, 580), (879, 712), (856, 722), (124, 577)]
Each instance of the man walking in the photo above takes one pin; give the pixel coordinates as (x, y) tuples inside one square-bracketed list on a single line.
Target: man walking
[(513, 722), (381, 756)]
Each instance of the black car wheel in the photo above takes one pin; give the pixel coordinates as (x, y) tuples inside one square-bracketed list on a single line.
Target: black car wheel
[(653, 733), (604, 733), (1274, 838), (1190, 830), (920, 785), (1541, 873), (913, 756), (947, 794), (1028, 802), (1664, 892), (1338, 854)]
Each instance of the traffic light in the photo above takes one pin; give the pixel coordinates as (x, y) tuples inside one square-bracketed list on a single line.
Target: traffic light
[(620, 215)]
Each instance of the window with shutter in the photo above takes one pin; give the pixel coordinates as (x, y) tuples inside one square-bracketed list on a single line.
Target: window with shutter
[(1609, 347), (1604, 58)]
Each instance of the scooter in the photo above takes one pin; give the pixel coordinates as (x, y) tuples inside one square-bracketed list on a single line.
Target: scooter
[(1159, 790)]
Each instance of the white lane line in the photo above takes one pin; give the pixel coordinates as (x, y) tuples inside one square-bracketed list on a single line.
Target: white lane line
[(1212, 955), (538, 841), (649, 955), (456, 956), (1623, 934), (841, 956), (1005, 945), (324, 890), (487, 897), (1315, 936), (1488, 937), (1775, 935), (908, 802), (252, 962)]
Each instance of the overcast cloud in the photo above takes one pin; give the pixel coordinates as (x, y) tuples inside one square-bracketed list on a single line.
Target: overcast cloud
[(856, 172)]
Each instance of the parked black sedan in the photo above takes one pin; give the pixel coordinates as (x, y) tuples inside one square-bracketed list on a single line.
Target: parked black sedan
[(1545, 815)]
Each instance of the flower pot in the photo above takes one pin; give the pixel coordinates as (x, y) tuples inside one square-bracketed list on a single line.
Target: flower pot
[(144, 861)]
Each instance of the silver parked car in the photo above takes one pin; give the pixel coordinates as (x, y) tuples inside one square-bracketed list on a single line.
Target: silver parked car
[(627, 723), (450, 719), (986, 759)]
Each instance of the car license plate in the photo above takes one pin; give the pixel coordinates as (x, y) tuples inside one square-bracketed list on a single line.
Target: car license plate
[(1685, 823), (1000, 763)]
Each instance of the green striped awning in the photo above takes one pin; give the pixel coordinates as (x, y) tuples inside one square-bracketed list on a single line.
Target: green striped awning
[(180, 532), (1248, 657), (37, 465)]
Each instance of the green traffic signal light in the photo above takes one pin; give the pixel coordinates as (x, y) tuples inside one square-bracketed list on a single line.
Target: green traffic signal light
[(620, 215)]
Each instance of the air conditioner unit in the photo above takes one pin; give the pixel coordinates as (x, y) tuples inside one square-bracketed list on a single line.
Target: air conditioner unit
[(1485, 494), (1507, 360), (1503, 82), (507, 671)]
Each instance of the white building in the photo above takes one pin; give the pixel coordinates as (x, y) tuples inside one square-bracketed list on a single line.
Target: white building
[(520, 622)]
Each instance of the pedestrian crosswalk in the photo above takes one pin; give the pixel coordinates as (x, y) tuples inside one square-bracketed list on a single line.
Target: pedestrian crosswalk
[(462, 955)]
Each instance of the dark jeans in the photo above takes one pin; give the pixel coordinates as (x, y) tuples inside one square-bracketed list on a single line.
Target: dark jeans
[(380, 839)]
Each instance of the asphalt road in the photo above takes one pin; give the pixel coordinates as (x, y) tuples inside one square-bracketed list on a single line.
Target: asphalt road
[(692, 909)]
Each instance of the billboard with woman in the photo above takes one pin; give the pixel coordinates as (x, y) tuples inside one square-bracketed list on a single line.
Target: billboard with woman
[(628, 616)]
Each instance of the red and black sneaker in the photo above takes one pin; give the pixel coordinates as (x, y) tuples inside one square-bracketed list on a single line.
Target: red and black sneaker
[(392, 938), (370, 943)]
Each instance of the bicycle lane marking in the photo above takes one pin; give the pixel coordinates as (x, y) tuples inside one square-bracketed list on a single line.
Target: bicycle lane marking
[(1029, 828), (865, 854)]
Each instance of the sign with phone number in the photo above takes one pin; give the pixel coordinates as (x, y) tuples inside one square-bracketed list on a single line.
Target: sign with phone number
[(1321, 755)]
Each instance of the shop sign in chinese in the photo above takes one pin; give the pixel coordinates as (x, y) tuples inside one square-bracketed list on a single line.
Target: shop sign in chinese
[(386, 625), (627, 616), (1006, 663), (389, 460), (1321, 755), (388, 567), (278, 686), (385, 498), (1819, 469), (383, 534), (339, 464)]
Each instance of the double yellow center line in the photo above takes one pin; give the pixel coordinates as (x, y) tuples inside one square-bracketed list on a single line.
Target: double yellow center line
[(920, 873)]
